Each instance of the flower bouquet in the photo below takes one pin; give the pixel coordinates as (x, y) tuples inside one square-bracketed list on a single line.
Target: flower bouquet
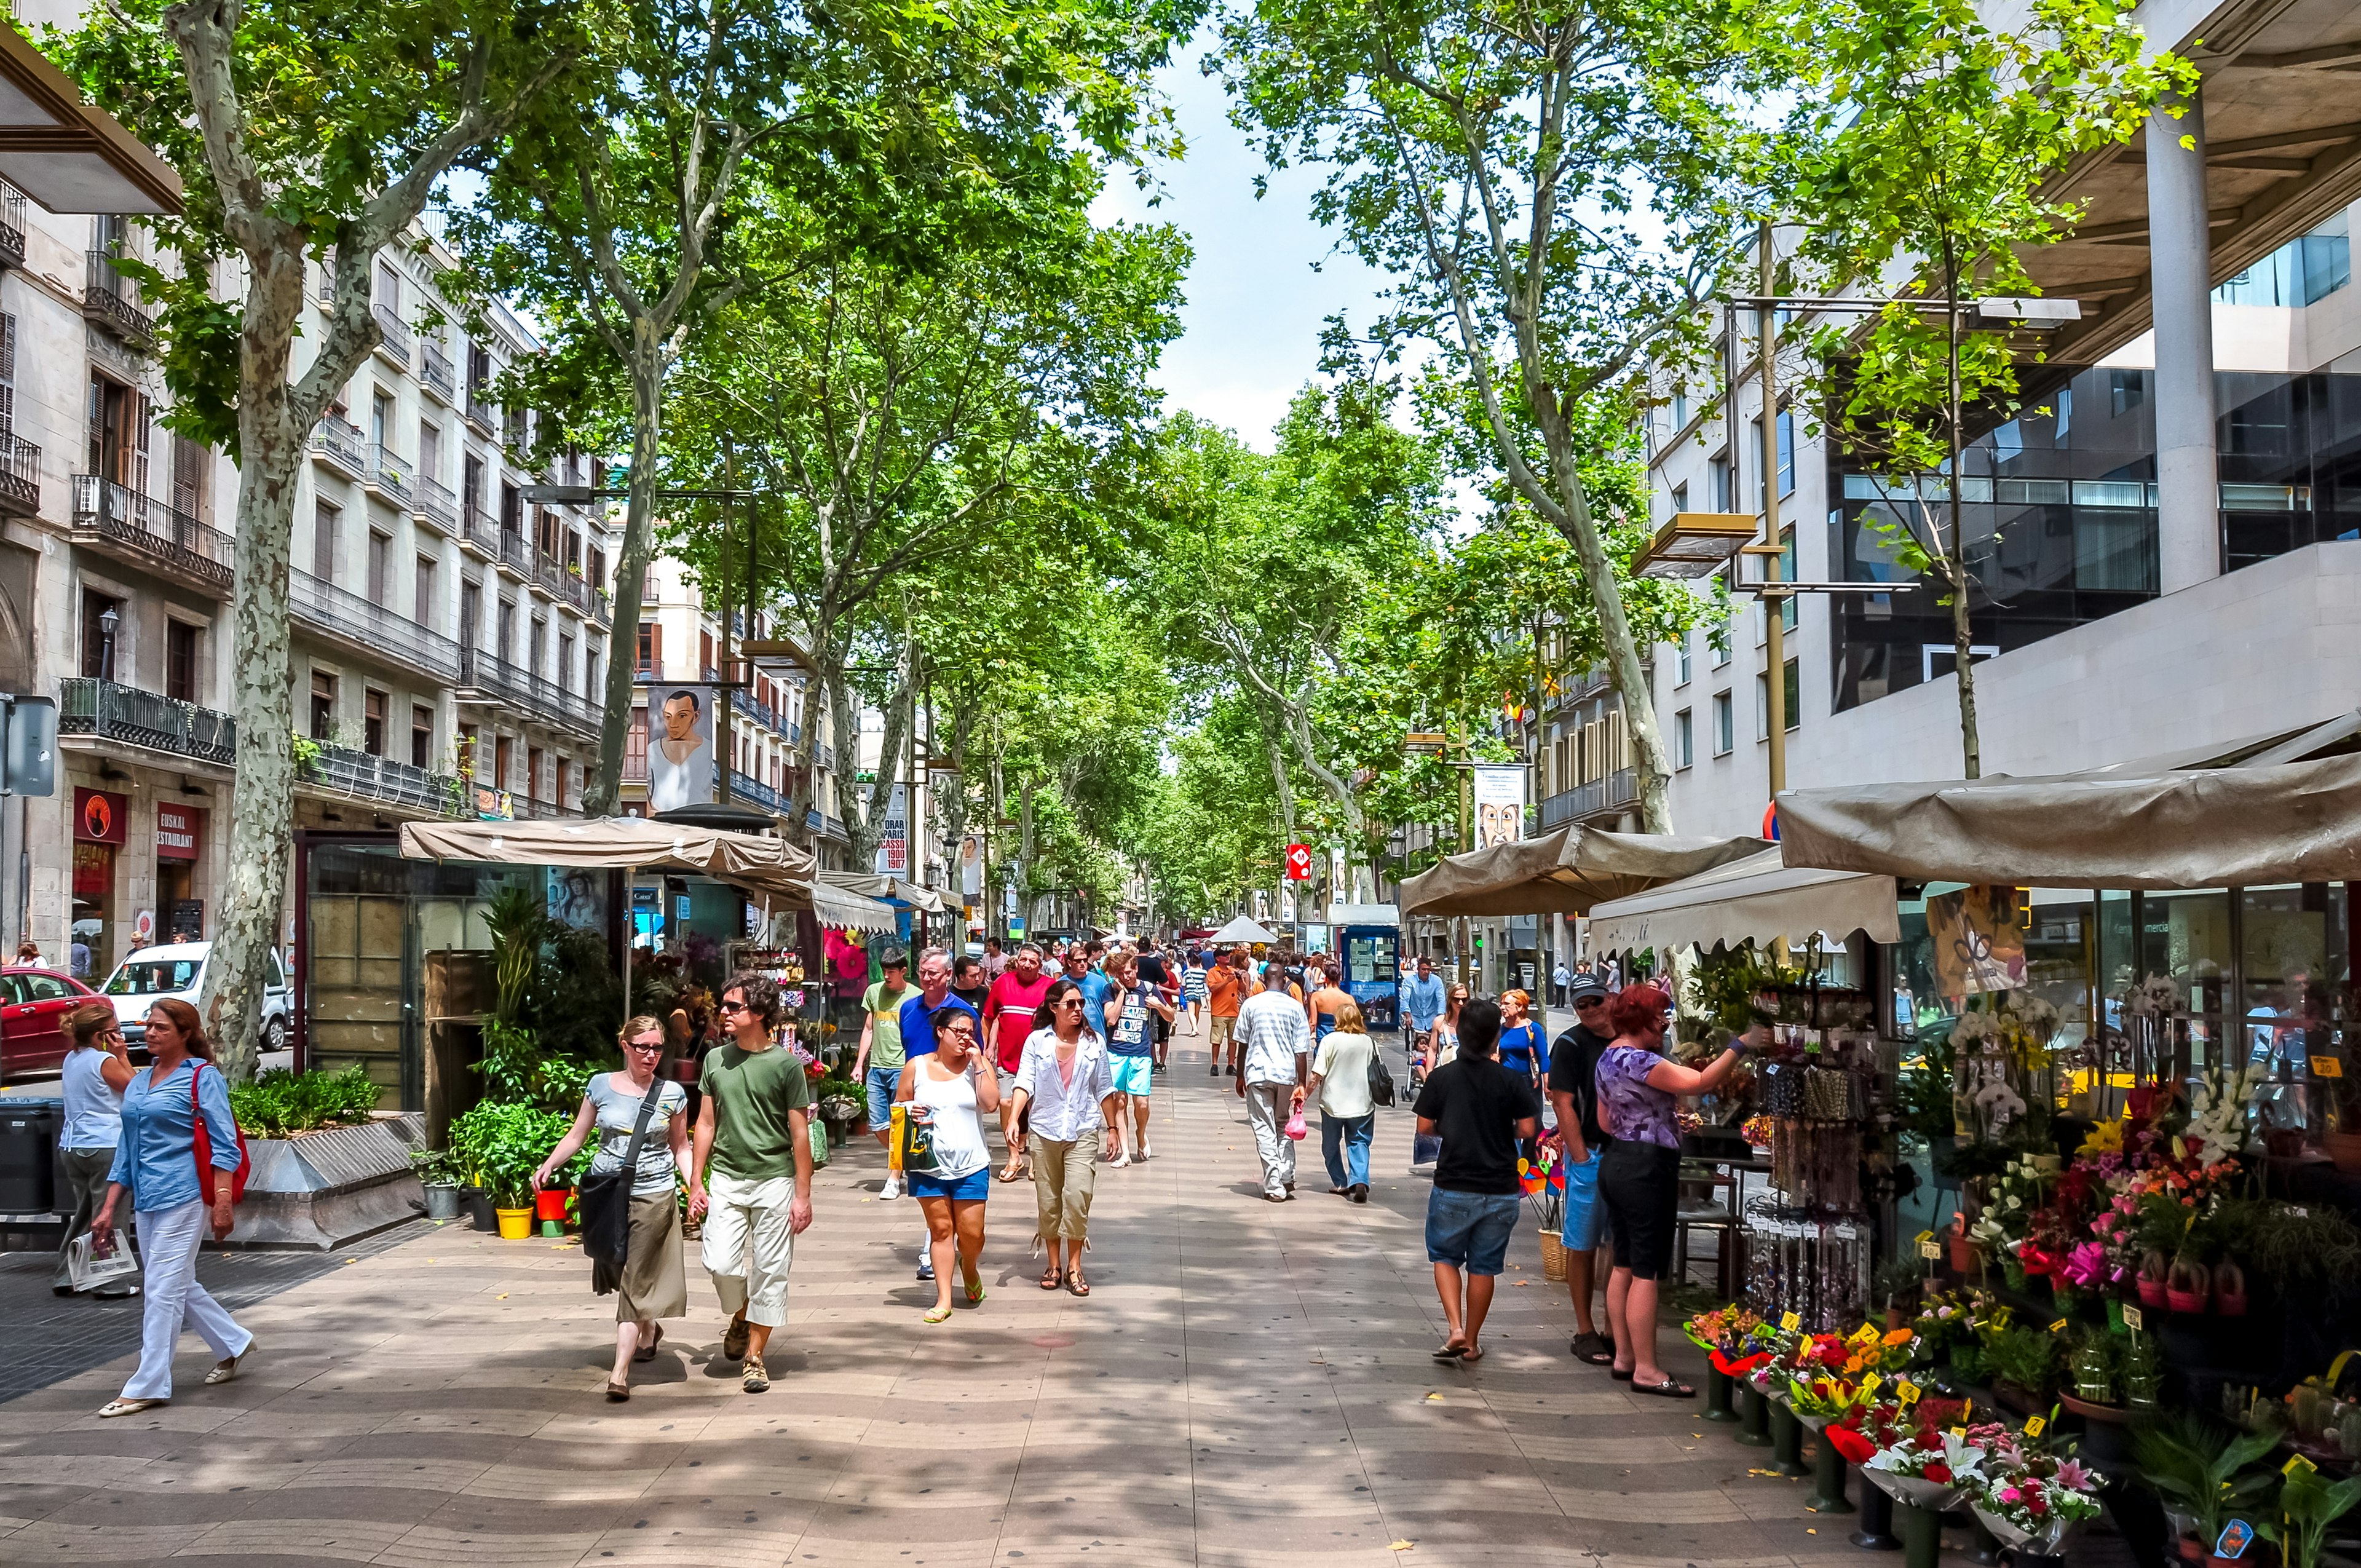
[(1721, 1328), (1927, 1467), (2033, 1501)]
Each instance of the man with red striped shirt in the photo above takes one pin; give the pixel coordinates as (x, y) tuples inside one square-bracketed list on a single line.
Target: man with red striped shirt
[(1008, 1009)]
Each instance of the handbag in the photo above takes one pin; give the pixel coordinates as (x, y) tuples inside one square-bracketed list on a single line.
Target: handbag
[(603, 1200), (202, 1142), (1381, 1081), (919, 1141)]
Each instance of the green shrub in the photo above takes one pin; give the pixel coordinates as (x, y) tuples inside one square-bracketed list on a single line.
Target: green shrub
[(498, 1147), (278, 1101)]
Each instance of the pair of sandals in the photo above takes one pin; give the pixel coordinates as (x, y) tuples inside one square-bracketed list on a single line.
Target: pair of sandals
[(1595, 1350), (1016, 1170), (1072, 1279), (943, 1314), (1450, 1353)]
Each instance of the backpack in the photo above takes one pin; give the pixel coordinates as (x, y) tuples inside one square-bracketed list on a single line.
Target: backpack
[(1381, 1081), (204, 1147)]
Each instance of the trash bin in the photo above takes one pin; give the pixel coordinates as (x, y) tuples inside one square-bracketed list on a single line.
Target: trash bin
[(28, 1148)]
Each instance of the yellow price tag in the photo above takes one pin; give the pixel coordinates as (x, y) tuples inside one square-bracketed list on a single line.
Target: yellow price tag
[(1959, 1433), (2058, 1327), (1930, 1250), (1906, 1391), (2298, 1463), (2327, 1067), (1791, 1322), (1868, 1333), (1869, 1384), (1925, 1236), (1967, 1409), (2035, 1425)]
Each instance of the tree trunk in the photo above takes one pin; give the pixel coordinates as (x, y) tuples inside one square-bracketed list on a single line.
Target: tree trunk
[(270, 440), (1962, 628), (864, 824), (605, 795)]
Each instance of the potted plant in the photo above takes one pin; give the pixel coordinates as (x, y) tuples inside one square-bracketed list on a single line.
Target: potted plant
[(2199, 1470), (2309, 1504), (438, 1173), (2188, 1287), (2023, 1359)]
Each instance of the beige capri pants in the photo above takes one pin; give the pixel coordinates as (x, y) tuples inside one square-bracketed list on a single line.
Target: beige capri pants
[(1063, 1176)]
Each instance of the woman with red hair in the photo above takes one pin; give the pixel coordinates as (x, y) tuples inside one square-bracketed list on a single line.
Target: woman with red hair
[(1639, 1174)]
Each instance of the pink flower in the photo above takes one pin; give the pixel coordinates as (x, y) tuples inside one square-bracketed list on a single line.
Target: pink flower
[(2074, 1476)]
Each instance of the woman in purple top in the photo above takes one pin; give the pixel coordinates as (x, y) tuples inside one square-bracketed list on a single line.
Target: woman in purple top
[(1639, 1174)]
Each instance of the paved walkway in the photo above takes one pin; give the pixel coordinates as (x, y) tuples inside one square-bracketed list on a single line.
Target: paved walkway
[(1248, 1384)]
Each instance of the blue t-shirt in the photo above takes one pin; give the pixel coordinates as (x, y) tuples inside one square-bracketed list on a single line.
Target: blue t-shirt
[(1096, 988), (1133, 1035), (1524, 1051), (919, 1025)]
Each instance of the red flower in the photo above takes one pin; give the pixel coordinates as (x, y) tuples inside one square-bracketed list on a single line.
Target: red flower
[(1851, 1443), (1938, 1473), (2034, 1505), (1741, 1367)]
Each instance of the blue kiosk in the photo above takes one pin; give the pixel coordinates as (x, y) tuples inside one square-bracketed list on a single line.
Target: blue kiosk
[(1367, 938)]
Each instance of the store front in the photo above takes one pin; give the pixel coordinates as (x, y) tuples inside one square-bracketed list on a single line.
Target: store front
[(180, 886), (101, 833)]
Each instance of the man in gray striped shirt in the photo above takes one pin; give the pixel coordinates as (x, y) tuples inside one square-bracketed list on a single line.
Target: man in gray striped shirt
[(1273, 1045)]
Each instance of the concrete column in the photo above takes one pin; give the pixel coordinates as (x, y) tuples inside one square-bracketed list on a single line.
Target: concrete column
[(2188, 520)]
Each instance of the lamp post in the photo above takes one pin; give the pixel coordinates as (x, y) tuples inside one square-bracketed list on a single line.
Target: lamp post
[(107, 621)]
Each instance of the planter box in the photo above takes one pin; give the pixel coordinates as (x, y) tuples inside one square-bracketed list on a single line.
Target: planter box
[(323, 1190)]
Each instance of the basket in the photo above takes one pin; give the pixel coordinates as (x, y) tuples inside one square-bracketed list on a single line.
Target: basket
[(1553, 1255)]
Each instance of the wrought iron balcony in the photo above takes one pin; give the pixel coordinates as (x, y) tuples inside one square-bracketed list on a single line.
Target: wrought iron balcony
[(146, 532), (20, 475), (477, 530), (516, 552), (434, 372), (393, 334), (494, 678), (339, 443), (743, 787), (343, 771), (112, 712), (112, 299), (389, 475), (1612, 792), (482, 413), (370, 628), (436, 505), (12, 225)]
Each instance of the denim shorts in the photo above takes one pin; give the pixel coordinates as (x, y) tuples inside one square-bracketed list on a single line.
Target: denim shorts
[(1471, 1230), (972, 1187), (882, 1082)]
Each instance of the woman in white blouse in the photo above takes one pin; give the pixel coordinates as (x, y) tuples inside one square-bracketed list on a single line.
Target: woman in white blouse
[(1065, 1081)]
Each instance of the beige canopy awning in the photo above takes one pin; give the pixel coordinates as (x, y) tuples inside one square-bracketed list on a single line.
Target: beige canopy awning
[(887, 887), (1564, 872), (850, 911), (750, 861), (2250, 825), (1756, 898), (66, 154)]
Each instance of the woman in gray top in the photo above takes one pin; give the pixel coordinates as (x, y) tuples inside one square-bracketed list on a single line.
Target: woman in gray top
[(97, 1071), (651, 1286)]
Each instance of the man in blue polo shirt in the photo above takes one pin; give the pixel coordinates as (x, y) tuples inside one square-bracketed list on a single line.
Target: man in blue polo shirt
[(918, 1039), (1096, 985)]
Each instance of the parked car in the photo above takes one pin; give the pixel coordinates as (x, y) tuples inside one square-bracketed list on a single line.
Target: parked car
[(178, 970), (32, 1003)]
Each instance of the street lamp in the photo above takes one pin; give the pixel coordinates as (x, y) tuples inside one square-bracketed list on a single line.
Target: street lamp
[(1694, 544), (107, 621)]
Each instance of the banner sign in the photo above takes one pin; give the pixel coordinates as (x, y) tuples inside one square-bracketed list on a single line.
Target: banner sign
[(1500, 800)]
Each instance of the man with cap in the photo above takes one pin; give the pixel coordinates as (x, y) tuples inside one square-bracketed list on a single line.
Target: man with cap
[(1574, 1092), (877, 1066)]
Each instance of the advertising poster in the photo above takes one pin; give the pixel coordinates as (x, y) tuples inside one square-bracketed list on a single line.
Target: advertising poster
[(680, 747), (1978, 938), (577, 897), (893, 848), (970, 880), (1500, 804)]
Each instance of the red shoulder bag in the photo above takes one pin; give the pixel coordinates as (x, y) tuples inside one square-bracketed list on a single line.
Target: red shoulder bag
[(205, 1143)]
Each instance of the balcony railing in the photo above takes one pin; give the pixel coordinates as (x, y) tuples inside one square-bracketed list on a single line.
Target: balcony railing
[(20, 475), (327, 287), (393, 334), (340, 442), (1615, 790), (762, 713), (357, 773), (12, 225), (481, 411), (109, 516), (436, 504), (521, 688), (516, 552), (388, 473), (434, 372), (371, 627), (112, 299), (476, 528), (87, 707), (744, 786)]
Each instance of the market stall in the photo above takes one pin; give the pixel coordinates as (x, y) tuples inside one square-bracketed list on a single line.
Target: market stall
[(1563, 872)]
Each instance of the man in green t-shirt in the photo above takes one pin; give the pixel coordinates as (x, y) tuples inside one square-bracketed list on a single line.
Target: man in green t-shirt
[(877, 1067), (752, 1169)]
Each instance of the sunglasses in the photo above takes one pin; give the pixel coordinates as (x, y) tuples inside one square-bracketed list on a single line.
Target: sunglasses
[(1582, 1002), (647, 1045), (1069, 1002), (733, 1007)]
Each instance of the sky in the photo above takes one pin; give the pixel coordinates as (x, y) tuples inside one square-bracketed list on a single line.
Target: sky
[(1250, 330)]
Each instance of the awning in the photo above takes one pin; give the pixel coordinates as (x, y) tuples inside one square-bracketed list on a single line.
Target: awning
[(892, 888), (848, 911), (750, 861), (1364, 914), (1564, 872), (66, 154), (1757, 898), (2232, 827), (1242, 930)]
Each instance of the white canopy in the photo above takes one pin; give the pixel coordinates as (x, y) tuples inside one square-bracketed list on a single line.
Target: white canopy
[(1243, 929), (750, 862), (850, 911), (1757, 898), (887, 887)]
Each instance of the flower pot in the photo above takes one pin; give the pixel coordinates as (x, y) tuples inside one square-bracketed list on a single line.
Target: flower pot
[(516, 1225), (1717, 1398), (549, 1203), (2230, 1306), (2345, 1150), (1922, 1535), (1786, 1441), (1828, 1481), (2191, 1301), (2191, 1550), (478, 1205), (2151, 1292), (441, 1202), (1876, 1531), (1963, 1254), (1753, 1420)]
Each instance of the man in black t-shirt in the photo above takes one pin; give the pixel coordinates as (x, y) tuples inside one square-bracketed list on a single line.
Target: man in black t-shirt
[(1574, 1092), (1479, 1109), (1153, 971)]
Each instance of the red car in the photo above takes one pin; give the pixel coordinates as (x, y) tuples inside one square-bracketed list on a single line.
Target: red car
[(33, 1002)]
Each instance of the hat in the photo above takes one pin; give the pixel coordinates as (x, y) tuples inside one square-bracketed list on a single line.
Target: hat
[(893, 957), (1584, 985)]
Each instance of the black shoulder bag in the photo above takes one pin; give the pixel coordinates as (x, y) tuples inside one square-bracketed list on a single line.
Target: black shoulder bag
[(604, 1201), (1381, 1080)]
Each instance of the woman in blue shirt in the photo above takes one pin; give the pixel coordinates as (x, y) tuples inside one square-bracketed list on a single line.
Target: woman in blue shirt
[(156, 1163), (1524, 1050)]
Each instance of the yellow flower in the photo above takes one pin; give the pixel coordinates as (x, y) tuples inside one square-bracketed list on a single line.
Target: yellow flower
[(2107, 1137)]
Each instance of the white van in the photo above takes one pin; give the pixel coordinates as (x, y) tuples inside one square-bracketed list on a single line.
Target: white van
[(178, 970)]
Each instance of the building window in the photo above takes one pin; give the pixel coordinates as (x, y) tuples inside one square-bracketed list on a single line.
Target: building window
[(590, 652), (1717, 474), (380, 568), (1684, 740), (424, 598), (102, 626), (533, 773), (471, 614), (1680, 499), (540, 641), (503, 755), (565, 782), (1724, 739), (466, 748), (323, 705), (430, 452), (511, 510), (565, 663), (1683, 658), (471, 489), (373, 708), (1721, 640), (180, 661), (704, 654), (636, 746), (421, 736), (327, 530), (1793, 698), (1680, 411), (505, 632), (1787, 606), (650, 650)]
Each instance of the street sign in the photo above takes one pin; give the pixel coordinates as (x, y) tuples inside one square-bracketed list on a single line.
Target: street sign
[(1424, 742), (1299, 862), (29, 746)]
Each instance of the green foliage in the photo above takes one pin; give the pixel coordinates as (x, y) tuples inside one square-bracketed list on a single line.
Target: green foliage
[(518, 918), (278, 1101), (577, 997), (499, 1146), (2025, 1355), (2200, 1468), (2309, 1504)]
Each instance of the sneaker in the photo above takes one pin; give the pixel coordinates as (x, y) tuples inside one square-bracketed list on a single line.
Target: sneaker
[(893, 1187), (1141, 1157), (757, 1378), (925, 1266), (734, 1339), (1213, 1069)]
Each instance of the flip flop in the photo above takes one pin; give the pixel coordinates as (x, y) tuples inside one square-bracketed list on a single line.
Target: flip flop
[(1618, 1373), (1451, 1351), (1670, 1388), (974, 1293), (1593, 1350), (937, 1315), (1470, 1357)]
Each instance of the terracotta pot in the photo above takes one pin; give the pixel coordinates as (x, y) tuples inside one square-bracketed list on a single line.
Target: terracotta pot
[(2151, 1292), (1963, 1254), (2192, 1549), (2191, 1301), (2230, 1306), (2345, 1150)]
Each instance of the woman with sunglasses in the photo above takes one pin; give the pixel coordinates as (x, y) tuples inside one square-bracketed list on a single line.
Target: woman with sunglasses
[(1066, 1084), (1443, 1040), (653, 1285), (951, 1088)]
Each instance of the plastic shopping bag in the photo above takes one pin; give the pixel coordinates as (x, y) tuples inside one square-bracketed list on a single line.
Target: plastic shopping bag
[(1295, 1127), (88, 1270)]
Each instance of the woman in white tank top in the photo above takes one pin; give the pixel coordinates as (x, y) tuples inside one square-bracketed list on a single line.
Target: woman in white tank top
[(949, 1091)]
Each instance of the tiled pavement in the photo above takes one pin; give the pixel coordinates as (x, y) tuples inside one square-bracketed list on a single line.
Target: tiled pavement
[(1248, 1384)]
